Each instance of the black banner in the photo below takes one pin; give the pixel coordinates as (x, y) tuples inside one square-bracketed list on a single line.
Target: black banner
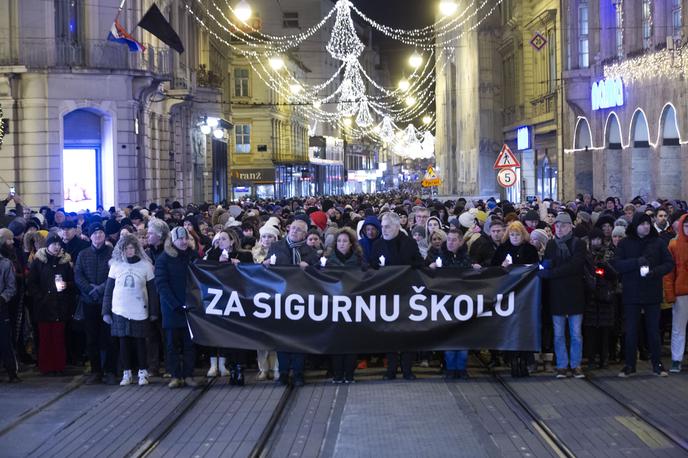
[(341, 310)]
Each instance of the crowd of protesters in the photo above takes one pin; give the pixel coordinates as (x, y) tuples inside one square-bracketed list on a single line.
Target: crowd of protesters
[(107, 289)]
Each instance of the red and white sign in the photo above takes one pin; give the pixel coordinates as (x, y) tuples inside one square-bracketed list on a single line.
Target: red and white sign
[(506, 159), (506, 178)]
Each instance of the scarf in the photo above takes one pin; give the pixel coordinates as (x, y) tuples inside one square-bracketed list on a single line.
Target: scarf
[(295, 253), (564, 252)]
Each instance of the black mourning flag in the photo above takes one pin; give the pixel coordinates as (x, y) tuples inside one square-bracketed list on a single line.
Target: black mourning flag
[(155, 23)]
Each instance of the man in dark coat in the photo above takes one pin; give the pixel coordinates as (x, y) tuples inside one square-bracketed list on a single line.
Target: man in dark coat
[(563, 264), (72, 244), (396, 249), (292, 251), (483, 249), (90, 275), (8, 290), (170, 279), (158, 233), (642, 259)]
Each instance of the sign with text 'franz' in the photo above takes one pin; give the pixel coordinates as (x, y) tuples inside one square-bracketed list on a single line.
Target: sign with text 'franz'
[(607, 94)]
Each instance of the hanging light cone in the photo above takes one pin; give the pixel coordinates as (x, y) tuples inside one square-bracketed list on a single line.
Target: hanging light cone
[(344, 43), (387, 130), (364, 118), (428, 145)]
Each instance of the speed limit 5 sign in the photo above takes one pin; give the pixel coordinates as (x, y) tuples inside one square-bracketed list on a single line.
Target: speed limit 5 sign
[(506, 178)]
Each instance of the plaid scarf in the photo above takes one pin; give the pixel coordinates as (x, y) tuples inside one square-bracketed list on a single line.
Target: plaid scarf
[(295, 253)]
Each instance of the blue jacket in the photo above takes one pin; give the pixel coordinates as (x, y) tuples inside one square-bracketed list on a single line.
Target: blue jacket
[(366, 243), (170, 279)]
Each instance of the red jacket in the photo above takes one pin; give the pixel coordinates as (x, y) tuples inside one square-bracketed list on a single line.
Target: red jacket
[(676, 282)]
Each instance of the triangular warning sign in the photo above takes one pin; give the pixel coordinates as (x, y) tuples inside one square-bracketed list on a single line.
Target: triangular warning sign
[(431, 179), (430, 174), (506, 159)]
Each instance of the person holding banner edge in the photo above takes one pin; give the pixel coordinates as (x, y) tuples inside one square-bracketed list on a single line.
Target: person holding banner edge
[(292, 251), (396, 249)]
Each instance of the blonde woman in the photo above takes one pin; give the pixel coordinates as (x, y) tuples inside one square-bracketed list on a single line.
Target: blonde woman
[(130, 303)]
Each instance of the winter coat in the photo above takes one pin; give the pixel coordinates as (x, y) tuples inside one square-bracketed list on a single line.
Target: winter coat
[(8, 286), (565, 288), (676, 281), (49, 304), (483, 250), (214, 254), (365, 242), (283, 253), (458, 260), (637, 289), (432, 254), (353, 260), (76, 246), (154, 252), (170, 280), (91, 272), (602, 299), (400, 251), (525, 253)]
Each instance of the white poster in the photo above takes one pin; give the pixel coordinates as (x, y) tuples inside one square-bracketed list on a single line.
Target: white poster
[(79, 175)]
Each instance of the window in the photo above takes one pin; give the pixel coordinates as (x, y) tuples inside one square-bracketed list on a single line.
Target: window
[(67, 14), (676, 19), (241, 82), (618, 7), (242, 133), (647, 24), (583, 28), (290, 20)]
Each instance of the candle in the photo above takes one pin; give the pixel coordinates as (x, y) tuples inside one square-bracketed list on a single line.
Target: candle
[(323, 261), (273, 259), (382, 260), (438, 262)]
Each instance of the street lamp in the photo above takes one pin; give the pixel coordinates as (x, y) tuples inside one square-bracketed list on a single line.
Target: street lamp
[(416, 60), (427, 119), (276, 63), (348, 122), (404, 85), (205, 129), (448, 7), (410, 100), (295, 88), (218, 133), (212, 122), (317, 104), (243, 11)]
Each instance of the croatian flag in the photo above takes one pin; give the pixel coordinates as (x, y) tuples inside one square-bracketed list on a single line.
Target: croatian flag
[(119, 35)]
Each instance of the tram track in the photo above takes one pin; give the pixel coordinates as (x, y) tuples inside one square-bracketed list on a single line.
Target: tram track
[(556, 443)]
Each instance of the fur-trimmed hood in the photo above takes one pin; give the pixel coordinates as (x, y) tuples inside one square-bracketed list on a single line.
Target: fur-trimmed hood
[(42, 255), (172, 251)]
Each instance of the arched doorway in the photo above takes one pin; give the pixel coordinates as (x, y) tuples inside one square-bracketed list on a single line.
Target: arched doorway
[(88, 175), (583, 157), (613, 179), (639, 176), (669, 171)]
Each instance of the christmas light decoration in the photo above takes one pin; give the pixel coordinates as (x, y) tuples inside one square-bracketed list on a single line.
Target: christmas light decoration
[(404, 85), (276, 63), (364, 118), (416, 60), (344, 43), (427, 119), (667, 63)]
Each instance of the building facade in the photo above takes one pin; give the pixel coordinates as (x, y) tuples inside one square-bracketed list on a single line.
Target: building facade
[(625, 85), (500, 79), (91, 123)]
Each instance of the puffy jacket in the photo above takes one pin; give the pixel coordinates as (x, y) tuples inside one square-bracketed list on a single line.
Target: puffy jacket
[(91, 273), (676, 281), (49, 304), (170, 279), (637, 289)]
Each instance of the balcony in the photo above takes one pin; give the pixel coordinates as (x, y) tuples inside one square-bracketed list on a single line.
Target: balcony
[(92, 54)]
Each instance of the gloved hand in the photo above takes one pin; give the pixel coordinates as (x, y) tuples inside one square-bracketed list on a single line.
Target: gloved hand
[(153, 318), (93, 294), (107, 319)]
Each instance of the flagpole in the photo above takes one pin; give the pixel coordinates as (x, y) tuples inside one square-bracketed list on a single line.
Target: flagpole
[(119, 11)]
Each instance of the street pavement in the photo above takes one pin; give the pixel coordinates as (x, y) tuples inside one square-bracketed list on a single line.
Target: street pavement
[(644, 416)]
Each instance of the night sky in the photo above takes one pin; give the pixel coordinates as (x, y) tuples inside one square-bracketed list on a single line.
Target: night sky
[(405, 14)]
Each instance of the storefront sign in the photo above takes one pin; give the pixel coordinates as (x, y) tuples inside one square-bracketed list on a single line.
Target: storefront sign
[(607, 94), (253, 176), (335, 310), (523, 138)]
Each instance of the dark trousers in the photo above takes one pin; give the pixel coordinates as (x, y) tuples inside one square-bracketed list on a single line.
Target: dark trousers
[(596, 341), (343, 366), (406, 362), (180, 352), (293, 361), (153, 348), (126, 347), (632, 314), (52, 354), (100, 345), (6, 351)]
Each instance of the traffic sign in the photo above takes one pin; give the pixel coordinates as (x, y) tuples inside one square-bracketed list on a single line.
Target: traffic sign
[(430, 179), (506, 159), (506, 178)]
